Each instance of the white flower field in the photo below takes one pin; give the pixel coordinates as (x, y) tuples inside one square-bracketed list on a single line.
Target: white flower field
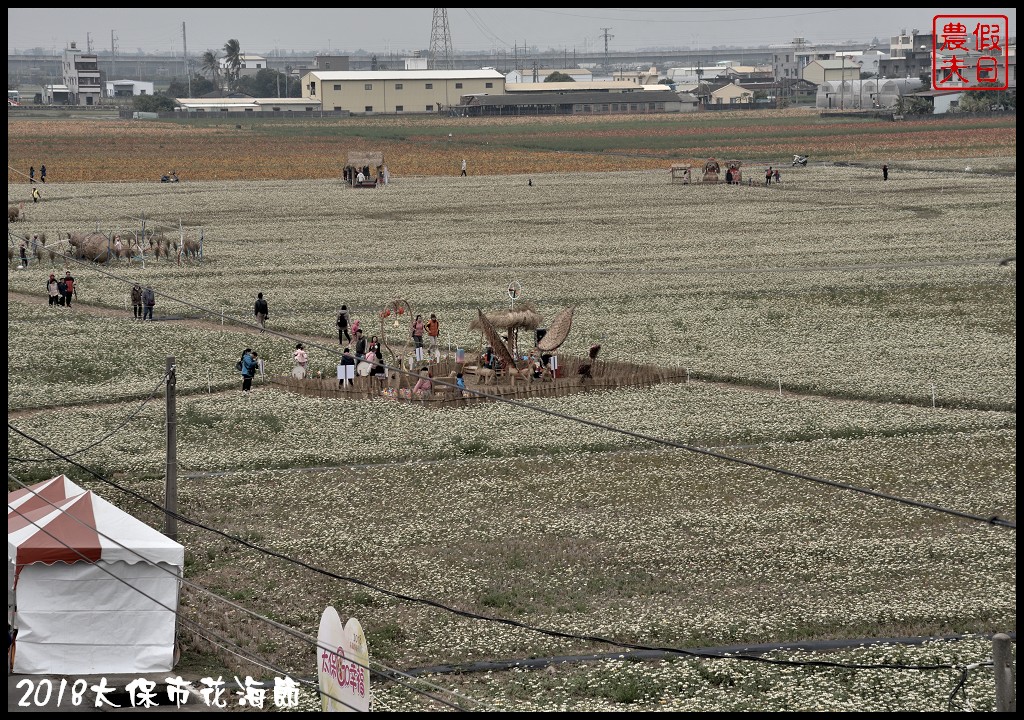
[(851, 344)]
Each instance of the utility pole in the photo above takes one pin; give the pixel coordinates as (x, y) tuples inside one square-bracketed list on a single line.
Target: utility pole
[(184, 52), (113, 55), (171, 480)]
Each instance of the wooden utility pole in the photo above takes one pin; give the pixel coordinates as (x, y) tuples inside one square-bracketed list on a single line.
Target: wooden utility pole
[(171, 481), (1006, 674)]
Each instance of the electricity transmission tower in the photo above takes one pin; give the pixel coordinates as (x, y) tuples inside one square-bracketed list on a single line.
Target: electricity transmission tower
[(440, 42)]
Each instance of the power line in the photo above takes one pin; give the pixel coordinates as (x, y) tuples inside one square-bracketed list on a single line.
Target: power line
[(991, 520), (250, 656), (121, 425), (464, 613)]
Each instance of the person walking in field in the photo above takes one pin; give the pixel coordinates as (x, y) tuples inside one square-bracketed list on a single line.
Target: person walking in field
[(149, 301), (70, 291), (32, 174), (885, 172), (301, 362), (433, 330), (137, 301), (261, 311), (342, 323), (248, 368), (53, 290), (42, 173), (417, 331), (463, 167)]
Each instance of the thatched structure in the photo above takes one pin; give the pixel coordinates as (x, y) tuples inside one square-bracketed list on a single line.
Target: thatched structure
[(512, 320), (557, 332), (504, 354)]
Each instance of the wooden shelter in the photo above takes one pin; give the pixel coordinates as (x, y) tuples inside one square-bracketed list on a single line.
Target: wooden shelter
[(682, 174), (370, 163)]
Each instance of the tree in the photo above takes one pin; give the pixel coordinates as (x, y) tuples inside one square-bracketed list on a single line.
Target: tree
[(908, 105), (200, 86), (559, 77), (264, 83), (153, 103), (211, 65), (233, 58), (976, 101)]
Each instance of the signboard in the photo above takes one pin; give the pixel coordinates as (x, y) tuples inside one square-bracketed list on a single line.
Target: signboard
[(970, 52), (343, 661)]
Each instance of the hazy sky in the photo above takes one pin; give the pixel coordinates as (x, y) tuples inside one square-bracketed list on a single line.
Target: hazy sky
[(401, 30)]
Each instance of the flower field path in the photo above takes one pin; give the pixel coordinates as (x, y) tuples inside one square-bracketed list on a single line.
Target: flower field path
[(84, 307)]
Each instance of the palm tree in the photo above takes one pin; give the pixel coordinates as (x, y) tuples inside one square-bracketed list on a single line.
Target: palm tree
[(233, 58), (211, 65)]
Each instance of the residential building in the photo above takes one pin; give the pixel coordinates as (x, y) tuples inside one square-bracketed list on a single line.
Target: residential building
[(127, 88), (250, 65), (820, 71), (56, 95), (910, 55), (731, 94), (398, 91), (81, 74)]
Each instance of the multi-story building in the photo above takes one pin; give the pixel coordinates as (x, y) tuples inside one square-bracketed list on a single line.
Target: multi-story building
[(81, 73), (910, 56)]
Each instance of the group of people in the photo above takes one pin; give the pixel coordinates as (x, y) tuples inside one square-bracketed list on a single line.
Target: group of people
[(143, 302), (359, 176), (32, 173), (772, 174), (61, 290), (432, 328), (367, 360)]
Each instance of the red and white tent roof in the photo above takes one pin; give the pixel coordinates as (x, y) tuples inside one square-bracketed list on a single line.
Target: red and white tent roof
[(58, 521)]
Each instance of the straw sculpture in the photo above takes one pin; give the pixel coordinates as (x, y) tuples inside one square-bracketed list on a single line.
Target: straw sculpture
[(558, 331), (494, 340), (511, 321), (520, 318)]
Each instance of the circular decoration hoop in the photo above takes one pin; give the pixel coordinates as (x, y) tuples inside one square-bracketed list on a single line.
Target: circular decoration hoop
[(393, 312), (515, 291)]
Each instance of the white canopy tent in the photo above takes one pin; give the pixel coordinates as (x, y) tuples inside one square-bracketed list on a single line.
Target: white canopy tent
[(88, 585)]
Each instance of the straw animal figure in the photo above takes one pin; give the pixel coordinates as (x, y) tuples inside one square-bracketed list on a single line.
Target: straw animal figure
[(586, 369), (41, 251)]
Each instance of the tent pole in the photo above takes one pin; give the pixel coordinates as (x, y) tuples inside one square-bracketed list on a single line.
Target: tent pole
[(171, 482)]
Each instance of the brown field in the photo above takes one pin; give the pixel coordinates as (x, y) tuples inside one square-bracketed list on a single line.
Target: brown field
[(78, 149)]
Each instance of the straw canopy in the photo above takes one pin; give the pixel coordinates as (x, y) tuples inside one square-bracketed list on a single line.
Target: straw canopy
[(520, 318), (558, 331), (483, 324)]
